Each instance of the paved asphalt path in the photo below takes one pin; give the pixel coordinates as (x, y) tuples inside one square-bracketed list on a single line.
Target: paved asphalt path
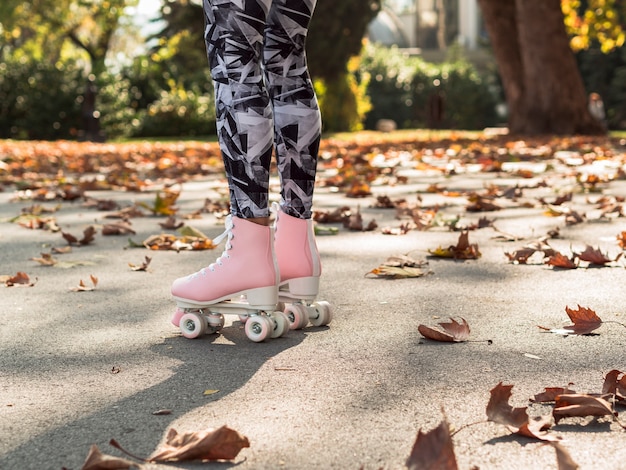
[(80, 368)]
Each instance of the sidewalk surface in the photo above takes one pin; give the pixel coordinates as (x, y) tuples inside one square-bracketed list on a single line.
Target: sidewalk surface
[(81, 368)]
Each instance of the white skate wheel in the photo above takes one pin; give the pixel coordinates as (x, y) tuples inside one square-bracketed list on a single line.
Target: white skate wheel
[(192, 325), (323, 314), (280, 324), (298, 316), (258, 328)]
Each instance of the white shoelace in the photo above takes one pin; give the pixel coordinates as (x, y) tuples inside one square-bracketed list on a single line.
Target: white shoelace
[(228, 233)]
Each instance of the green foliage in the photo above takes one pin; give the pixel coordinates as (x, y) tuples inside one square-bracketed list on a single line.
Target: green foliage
[(179, 112), (404, 88), (343, 101), (39, 100)]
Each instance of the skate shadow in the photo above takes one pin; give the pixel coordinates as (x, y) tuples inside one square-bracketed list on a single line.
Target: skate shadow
[(207, 369)]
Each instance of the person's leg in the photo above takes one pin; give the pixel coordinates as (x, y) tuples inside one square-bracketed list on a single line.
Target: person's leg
[(297, 121), (297, 127), (234, 40)]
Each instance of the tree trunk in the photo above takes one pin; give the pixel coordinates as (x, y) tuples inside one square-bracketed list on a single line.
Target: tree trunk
[(542, 83)]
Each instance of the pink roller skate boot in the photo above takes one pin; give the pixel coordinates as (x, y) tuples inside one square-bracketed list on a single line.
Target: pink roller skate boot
[(300, 269), (247, 267)]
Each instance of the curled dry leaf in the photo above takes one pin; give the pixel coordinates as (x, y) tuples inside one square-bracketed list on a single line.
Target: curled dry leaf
[(222, 443), (463, 249), (20, 279), (550, 393), (453, 331), (595, 256), (559, 260), (46, 259), (118, 228), (580, 405), (400, 267), (96, 460), (433, 450), (84, 288), (516, 420), (585, 321), (141, 267), (615, 384)]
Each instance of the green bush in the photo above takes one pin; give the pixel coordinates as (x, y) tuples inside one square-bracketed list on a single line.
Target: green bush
[(179, 112), (39, 100), (404, 89)]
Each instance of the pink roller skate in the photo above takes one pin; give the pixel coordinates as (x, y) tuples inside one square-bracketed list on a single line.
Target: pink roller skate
[(300, 269), (242, 281)]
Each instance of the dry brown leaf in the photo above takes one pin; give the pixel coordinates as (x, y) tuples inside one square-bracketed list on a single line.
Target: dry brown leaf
[(46, 259), (433, 450), (21, 279), (463, 249), (550, 394), (222, 443), (615, 384), (118, 228), (516, 420), (84, 288), (96, 460), (141, 267), (585, 320), (400, 267), (580, 405), (453, 331), (595, 256), (559, 260)]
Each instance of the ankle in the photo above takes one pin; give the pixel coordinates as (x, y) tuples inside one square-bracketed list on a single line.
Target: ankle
[(260, 220)]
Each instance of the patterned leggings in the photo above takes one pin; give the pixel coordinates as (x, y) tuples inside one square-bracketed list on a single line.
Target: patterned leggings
[(264, 99)]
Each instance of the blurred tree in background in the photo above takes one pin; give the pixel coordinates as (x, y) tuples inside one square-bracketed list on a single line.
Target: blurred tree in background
[(158, 84)]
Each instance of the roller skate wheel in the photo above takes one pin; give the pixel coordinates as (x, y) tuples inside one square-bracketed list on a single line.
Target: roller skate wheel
[(214, 323), (297, 315), (192, 325), (258, 328), (280, 323), (322, 313)]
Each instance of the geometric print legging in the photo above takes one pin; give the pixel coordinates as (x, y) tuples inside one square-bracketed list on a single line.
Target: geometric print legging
[(264, 101)]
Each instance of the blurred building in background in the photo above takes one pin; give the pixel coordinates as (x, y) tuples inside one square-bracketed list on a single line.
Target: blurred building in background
[(430, 27)]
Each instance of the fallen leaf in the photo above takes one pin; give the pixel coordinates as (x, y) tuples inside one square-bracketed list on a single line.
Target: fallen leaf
[(118, 228), (462, 250), (141, 267), (453, 331), (46, 259), (433, 450), (401, 267), (84, 288), (595, 256), (550, 394), (516, 420), (580, 405), (615, 385), (213, 444), (559, 260), (96, 460), (21, 279), (585, 320)]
